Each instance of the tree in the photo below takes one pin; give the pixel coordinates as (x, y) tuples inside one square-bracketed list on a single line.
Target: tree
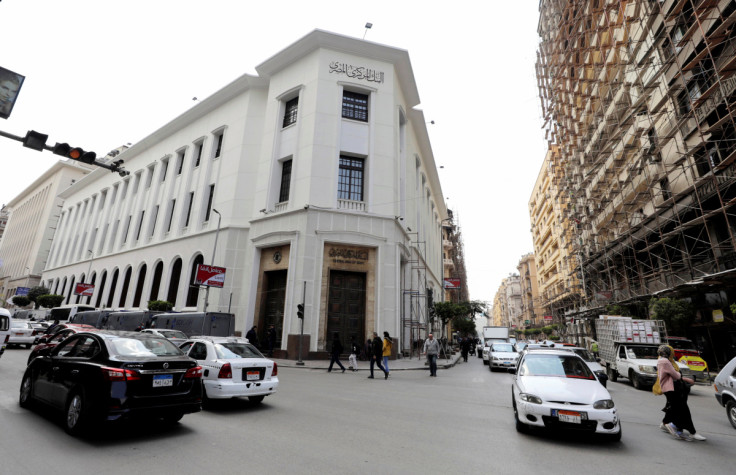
[(464, 325), (445, 311), (35, 292), (616, 309), (677, 314), (21, 300), (160, 305), (49, 300)]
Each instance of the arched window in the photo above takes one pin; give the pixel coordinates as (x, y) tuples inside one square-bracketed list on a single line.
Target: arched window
[(139, 286), (156, 284), (174, 281), (101, 289), (126, 284), (193, 293), (113, 284)]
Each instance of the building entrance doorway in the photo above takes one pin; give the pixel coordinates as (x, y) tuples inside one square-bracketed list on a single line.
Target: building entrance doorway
[(272, 313), (346, 308)]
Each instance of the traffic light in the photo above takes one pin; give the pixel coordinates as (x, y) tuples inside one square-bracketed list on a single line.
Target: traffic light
[(74, 153), (300, 310), (35, 140)]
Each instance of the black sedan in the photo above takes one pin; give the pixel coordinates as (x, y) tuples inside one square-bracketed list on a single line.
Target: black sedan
[(107, 376)]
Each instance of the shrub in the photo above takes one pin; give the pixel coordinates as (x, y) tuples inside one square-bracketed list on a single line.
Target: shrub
[(160, 305), (21, 300), (49, 300)]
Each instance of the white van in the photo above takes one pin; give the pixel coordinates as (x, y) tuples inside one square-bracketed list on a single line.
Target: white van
[(65, 312), (4, 329)]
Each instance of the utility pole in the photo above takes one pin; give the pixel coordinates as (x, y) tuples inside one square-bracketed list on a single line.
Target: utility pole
[(217, 234)]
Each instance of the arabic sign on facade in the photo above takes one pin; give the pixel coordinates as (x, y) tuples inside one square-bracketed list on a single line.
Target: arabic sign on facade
[(356, 72), (84, 290), (452, 283), (210, 276)]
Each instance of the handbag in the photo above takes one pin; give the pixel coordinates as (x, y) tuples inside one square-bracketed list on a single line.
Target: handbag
[(657, 388)]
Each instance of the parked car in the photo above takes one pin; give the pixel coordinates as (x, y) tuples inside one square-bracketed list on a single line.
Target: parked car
[(65, 312), (49, 344), (725, 385), (4, 329), (688, 354), (175, 336), (502, 356), (54, 329), (92, 377), (556, 389), (21, 333), (520, 346), (232, 367)]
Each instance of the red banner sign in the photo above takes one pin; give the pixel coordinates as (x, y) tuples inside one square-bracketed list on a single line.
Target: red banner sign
[(548, 318), (452, 283), (210, 276), (85, 290)]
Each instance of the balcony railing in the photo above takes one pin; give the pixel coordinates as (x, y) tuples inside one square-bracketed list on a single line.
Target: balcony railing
[(351, 205)]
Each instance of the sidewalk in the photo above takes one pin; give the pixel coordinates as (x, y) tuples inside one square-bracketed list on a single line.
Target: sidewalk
[(401, 364)]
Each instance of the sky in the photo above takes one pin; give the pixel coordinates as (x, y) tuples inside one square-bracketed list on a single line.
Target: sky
[(102, 74)]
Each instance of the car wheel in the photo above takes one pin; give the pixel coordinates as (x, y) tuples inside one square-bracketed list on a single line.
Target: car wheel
[(731, 412), (635, 381), (25, 392), (75, 416), (520, 426), (612, 375), (173, 418), (255, 399)]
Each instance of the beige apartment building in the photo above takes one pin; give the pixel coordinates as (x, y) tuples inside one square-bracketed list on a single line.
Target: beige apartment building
[(559, 289), (531, 303), (638, 98), (33, 217)]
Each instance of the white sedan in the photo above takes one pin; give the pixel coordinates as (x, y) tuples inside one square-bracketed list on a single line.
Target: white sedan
[(232, 367), (556, 389), (174, 336), (502, 356), (21, 333)]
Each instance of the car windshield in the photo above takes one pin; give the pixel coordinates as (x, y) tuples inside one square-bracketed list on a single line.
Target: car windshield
[(503, 348), (555, 365), (642, 352), (584, 354), (235, 350), (19, 324), (173, 334), (144, 347)]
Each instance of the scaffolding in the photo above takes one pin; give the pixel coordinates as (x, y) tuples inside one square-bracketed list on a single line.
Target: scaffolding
[(639, 99), (416, 300)]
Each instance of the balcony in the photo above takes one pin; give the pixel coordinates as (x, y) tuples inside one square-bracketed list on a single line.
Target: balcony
[(446, 244), (280, 206), (351, 205), (448, 263)]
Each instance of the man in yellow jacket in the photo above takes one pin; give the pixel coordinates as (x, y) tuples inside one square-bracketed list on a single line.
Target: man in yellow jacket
[(387, 346)]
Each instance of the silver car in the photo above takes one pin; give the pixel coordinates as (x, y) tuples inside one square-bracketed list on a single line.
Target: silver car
[(725, 385)]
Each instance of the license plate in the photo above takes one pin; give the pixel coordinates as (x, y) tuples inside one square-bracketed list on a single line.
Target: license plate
[(253, 376), (162, 380), (569, 416)]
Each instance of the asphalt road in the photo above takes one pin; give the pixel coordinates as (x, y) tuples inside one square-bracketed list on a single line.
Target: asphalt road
[(459, 422)]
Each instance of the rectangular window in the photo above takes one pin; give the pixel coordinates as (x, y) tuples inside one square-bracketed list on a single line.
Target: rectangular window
[(149, 177), (153, 220), (140, 226), (350, 181), (209, 203), (171, 215), (189, 209), (179, 162), (290, 111), (285, 181), (126, 229), (218, 141), (164, 169), (136, 182), (355, 106), (198, 153)]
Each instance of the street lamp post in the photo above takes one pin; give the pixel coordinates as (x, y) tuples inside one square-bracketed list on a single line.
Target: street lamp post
[(217, 234), (88, 277)]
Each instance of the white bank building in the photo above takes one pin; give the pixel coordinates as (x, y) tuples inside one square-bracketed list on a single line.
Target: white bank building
[(312, 182)]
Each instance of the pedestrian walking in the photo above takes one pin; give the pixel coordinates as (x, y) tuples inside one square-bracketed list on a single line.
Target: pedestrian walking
[(377, 355), (677, 419), (354, 352), (594, 348), (465, 348), (335, 353), (271, 335), (386, 353), (431, 349)]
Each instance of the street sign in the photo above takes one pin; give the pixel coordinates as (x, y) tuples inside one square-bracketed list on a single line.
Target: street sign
[(527, 322), (210, 276), (548, 318), (22, 290), (452, 283), (85, 290), (10, 84)]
